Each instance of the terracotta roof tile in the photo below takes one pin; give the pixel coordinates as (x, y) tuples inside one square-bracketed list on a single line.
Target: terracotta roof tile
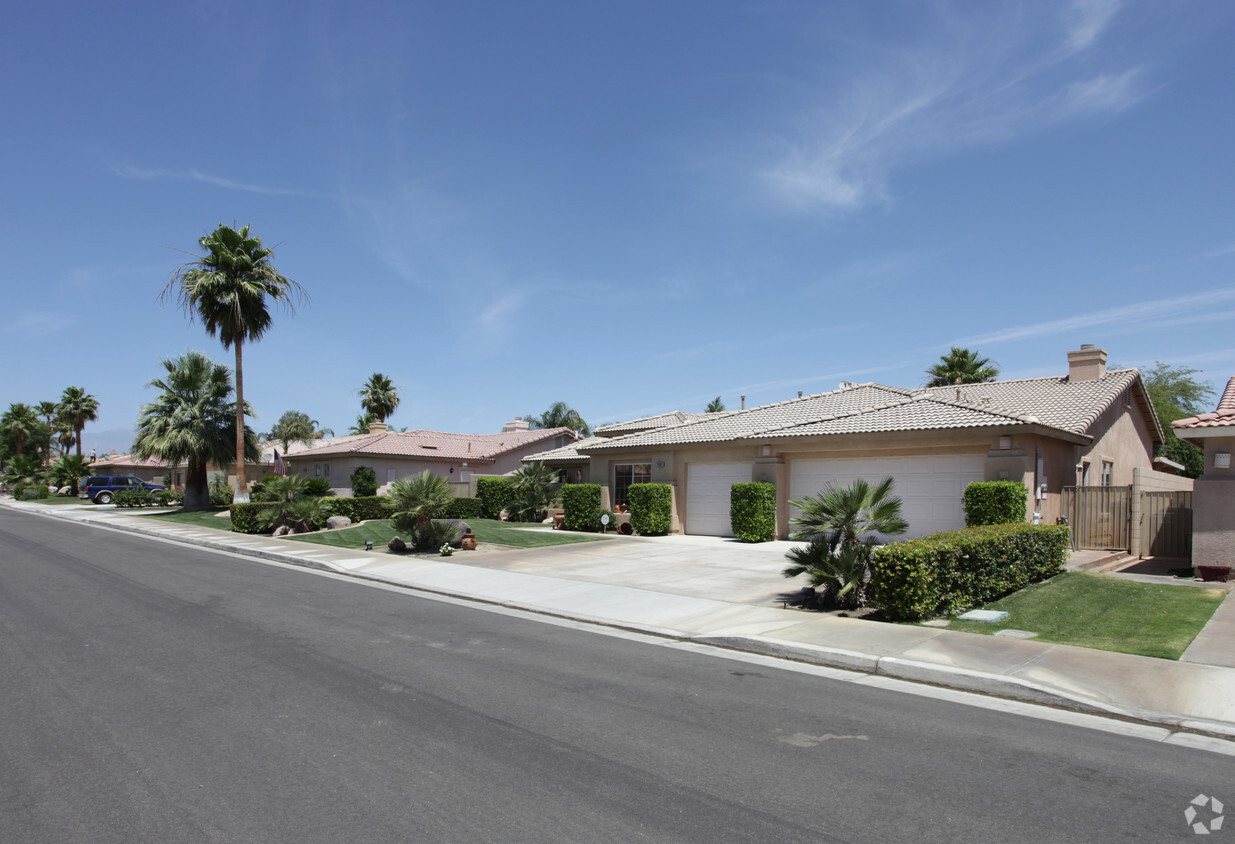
[(431, 445), (1222, 417)]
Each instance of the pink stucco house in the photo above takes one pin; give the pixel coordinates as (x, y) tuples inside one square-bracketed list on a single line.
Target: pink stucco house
[(1213, 495)]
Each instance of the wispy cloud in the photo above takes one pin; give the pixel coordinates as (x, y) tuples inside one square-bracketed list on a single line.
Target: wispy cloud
[(1126, 316), (1218, 253), (970, 79), (41, 323), (148, 174)]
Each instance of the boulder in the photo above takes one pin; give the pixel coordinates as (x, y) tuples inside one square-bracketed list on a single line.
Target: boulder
[(397, 545), (336, 522), (281, 530)]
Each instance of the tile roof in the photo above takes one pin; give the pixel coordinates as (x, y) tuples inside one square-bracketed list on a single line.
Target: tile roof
[(565, 454), (1222, 417), (432, 445), (128, 461), (648, 423)]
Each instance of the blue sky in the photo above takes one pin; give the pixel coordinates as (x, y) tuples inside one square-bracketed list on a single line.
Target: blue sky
[(632, 207)]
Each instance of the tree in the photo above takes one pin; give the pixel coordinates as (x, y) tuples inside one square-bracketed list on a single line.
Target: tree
[(415, 500), (842, 525), (19, 424), (961, 366), (192, 421), (559, 415), (68, 470), (379, 397), (716, 405), (362, 423), (50, 412), (77, 407), (227, 288), (1175, 394), (295, 427), (534, 488)]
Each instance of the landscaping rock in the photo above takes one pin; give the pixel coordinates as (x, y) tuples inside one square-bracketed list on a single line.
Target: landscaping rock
[(336, 522), (281, 530), (397, 545)]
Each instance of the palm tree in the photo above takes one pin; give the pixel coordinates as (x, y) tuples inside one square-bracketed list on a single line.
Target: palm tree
[(49, 410), (77, 407), (192, 421), (534, 488), (961, 366), (716, 405), (560, 415), (379, 397), (363, 421), (228, 288), (415, 500), (68, 470), (19, 422), (295, 427)]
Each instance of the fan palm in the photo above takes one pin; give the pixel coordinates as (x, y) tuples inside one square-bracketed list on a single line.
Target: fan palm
[(842, 570), (23, 470), (534, 488), (229, 288), (415, 500), (961, 366), (362, 423), (851, 511), (295, 427), (560, 415), (192, 421), (77, 407), (19, 423), (68, 470), (49, 411), (379, 397)]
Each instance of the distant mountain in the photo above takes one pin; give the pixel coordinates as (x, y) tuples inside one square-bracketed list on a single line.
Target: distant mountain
[(116, 439)]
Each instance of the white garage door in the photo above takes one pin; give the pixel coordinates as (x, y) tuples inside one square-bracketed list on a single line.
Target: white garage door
[(930, 488), (707, 496)]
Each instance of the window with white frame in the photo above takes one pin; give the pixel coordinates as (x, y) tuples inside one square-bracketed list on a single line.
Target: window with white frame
[(1108, 469), (625, 474)]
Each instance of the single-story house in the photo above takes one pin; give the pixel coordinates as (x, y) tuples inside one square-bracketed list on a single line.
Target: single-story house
[(394, 455), (1088, 427), (150, 469), (1213, 494)]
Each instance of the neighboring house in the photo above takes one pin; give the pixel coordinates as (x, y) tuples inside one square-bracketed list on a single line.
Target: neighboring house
[(1089, 427), (1213, 494), (395, 455), (152, 469)]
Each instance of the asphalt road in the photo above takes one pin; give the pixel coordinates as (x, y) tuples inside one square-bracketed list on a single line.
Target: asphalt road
[(151, 692)]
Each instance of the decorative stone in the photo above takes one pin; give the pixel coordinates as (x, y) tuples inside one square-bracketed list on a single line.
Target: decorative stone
[(987, 616), (281, 530), (336, 522), (1016, 634), (397, 545)]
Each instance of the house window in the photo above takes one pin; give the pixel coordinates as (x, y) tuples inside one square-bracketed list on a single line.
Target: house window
[(326, 470), (1107, 468), (1085, 473), (626, 474)]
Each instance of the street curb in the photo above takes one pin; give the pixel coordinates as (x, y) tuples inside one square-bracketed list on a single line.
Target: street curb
[(916, 671)]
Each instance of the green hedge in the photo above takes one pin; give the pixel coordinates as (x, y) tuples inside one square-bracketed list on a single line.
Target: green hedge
[(752, 511), (994, 503), (358, 509), (30, 493), (951, 572), (125, 498), (651, 508), (364, 482), (244, 516), (493, 493), (463, 508), (581, 503)]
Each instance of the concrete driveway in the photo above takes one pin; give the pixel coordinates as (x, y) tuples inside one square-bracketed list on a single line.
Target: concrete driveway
[(699, 566)]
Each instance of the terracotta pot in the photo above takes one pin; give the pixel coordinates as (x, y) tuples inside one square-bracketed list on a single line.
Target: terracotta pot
[(469, 542), (558, 518), (1214, 573)]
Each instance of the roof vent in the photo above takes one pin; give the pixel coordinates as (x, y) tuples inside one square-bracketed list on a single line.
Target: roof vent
[(743, 402), (1087, 363), (845, 385)]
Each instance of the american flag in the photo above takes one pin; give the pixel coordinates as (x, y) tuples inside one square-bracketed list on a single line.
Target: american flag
[(280, 468)]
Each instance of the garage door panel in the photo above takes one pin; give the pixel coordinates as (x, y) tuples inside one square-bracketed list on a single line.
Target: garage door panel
[(707, 496)]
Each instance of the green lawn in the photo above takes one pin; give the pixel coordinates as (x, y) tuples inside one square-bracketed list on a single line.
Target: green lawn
[(197, 518), (60, 499), (1096, 611), (486, 530)]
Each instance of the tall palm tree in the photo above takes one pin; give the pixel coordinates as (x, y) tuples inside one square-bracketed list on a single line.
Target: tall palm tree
[(192, 421), (379, 397), (49, 410), (415, 500), (961, 366), (19, 422), (560, 415), (77, 407), (228, 288)]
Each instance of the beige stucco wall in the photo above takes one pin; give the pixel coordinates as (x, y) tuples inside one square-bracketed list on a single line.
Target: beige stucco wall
[(1213, 508)]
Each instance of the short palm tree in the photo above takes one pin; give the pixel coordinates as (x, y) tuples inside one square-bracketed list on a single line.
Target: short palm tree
[(192, 421), (68, 470), (229, 289), (961, 366), (415, 500), (23, 470), (716, 405), (534, 488), (379, 397), (77, 407)]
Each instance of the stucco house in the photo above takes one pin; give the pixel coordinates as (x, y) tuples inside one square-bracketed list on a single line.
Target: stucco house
[(394, 455), (1090, 426), (1213, 494)]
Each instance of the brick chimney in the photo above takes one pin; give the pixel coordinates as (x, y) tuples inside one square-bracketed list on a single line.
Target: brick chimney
[(1087, 363)]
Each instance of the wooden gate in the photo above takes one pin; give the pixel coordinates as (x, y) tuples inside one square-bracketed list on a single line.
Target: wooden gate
[(1166, 524), (1100, 516)]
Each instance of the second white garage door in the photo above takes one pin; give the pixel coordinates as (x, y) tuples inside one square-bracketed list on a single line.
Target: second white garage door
[(707, 496), (930, 488)]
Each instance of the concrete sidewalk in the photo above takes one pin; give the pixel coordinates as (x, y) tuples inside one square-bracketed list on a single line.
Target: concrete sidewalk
[(1189, 695)]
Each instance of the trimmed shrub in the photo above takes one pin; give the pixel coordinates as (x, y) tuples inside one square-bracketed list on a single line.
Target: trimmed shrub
[(951, 572), (494, 493), (175, 498), (133, 498), (245, 516), (358, 509), (994, 503), (364, 482), (30, 493), (462, 508), (581, 503), (752, 511), (258, 491), (651, 508), (316, 487)]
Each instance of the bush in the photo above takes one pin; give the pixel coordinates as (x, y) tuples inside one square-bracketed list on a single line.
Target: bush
[(221, 494), (358, 509), (951, 572), (133, 498), (994, 503), (175, 498), (260, 491), (245, 517), (494, 494), (581, 503), (30, 493), (364, 482), (462, 508), (316, 487), (651, 508), (752, 511)]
